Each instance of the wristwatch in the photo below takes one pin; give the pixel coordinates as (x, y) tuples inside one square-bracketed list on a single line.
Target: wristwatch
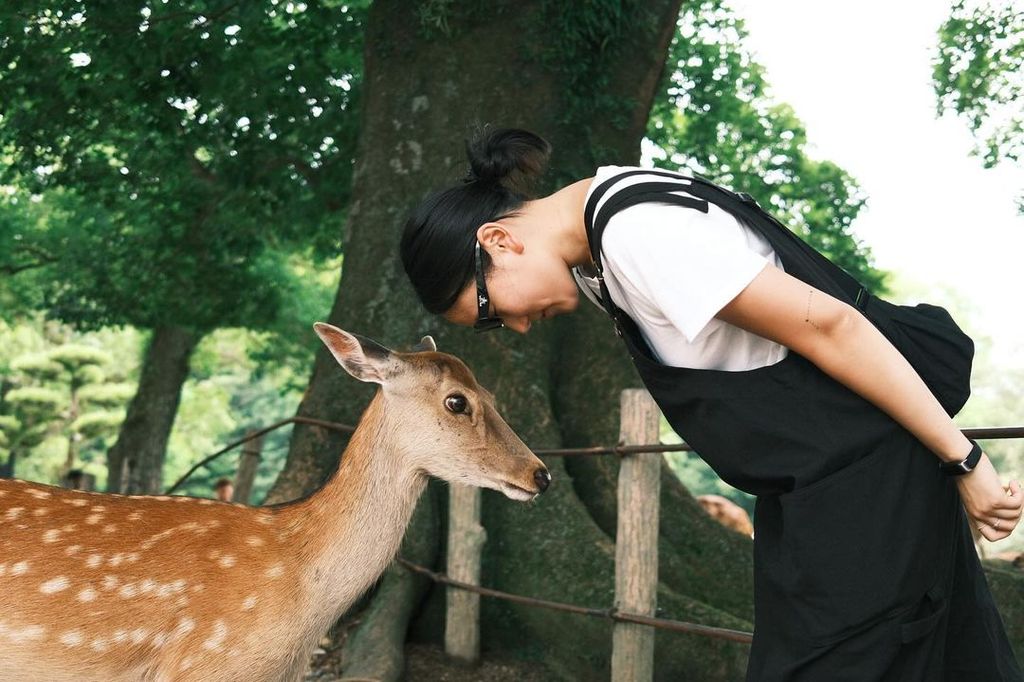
[(965, 465)]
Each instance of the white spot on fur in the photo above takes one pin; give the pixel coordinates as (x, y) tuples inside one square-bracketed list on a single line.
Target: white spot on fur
[(110, 582), (68, 527), (216, 639), (139, 635), (132, 557), (42, 511), (71, 638), (78, 502), (99, 645), (72, 550), (3, 569), (185, 626), (160, 638), (27, 633), (51, 535), (54, 585), (109, 528), (88, 594), (227, 561), (116, 559), (99, 508), (186, 663), (13, 513), (147, 586), (254, 541), (128, 590), (135, 516), (275, 571), (94, 560), (249, 602), (19, 568), (93, 519), (120, 636), (38, 494), (205, 501)]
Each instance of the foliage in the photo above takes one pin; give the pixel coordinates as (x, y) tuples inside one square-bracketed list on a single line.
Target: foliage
[(40, 392), (182, 152), (228, 392), (977, 73), (713, 117), (225, 398), (583, 41)]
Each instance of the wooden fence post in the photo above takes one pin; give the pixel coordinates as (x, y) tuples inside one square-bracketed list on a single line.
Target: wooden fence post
[(636, 542), (465, 545), (248, 462)]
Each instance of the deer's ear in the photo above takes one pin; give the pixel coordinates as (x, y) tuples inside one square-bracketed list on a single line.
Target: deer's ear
[(363, 358), (425, 344)]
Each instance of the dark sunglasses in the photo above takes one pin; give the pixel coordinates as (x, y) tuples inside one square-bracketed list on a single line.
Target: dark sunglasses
[(484, 321)]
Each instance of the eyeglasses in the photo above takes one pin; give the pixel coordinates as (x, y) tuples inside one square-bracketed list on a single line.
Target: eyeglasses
[(484, 321)]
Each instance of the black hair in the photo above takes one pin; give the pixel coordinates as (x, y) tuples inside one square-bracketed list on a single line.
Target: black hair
[(440, 233)]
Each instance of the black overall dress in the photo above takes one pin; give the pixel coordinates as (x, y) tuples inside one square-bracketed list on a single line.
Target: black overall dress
[(864, 564)]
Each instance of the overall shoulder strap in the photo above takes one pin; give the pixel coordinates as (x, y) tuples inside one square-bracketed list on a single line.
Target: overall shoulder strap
[(799, 258), (596, 221)]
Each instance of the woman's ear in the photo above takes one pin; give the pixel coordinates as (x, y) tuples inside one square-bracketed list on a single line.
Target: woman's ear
[(494, 236)]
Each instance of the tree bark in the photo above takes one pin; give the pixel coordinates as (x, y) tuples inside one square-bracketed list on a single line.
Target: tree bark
[(135, 462), (12, 460), (422, 92)]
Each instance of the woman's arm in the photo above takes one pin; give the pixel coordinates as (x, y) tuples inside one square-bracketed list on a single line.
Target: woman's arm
[(849, 348)]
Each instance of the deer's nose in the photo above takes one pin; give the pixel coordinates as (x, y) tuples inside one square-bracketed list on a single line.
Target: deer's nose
[(542, 478)]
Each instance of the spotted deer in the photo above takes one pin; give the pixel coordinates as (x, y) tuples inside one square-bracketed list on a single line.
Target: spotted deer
[(128, 587)]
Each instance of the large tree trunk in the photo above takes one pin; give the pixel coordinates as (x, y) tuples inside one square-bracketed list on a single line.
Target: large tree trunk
[(135, 463), (557, 386)]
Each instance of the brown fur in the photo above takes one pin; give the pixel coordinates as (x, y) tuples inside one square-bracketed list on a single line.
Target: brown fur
[(116, 587)]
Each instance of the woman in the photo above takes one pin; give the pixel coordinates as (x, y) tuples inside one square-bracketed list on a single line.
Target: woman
[(864, 565)]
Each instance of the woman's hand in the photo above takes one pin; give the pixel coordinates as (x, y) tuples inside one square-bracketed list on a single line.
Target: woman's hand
[(994, 509)]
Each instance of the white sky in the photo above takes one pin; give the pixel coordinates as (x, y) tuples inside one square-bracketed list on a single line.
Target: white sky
[(859, 76)]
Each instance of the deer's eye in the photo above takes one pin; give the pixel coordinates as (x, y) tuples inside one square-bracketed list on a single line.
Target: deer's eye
[(456, 403)]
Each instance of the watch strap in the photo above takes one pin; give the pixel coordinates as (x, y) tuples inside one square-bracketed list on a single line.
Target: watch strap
[(964, 465)]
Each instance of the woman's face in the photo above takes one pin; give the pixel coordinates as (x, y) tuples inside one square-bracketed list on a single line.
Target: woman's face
[(528, 280)]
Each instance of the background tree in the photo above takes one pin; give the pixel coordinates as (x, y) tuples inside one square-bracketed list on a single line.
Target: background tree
[(28, 416), (61, 392), (80, 367), (194, 148), (977, 74)]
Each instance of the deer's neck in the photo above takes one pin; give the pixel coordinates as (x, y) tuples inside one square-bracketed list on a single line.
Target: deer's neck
[(352, 528)]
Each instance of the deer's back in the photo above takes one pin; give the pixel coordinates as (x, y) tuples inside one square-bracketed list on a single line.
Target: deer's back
[(144, 587)]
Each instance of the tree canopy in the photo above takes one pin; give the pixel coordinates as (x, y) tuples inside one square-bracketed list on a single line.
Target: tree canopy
[(182, 153)]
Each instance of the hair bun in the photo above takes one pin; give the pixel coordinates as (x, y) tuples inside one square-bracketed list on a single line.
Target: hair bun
[(506, 156)]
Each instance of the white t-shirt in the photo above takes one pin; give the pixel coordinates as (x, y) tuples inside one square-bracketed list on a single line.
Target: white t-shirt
[(672, 268)]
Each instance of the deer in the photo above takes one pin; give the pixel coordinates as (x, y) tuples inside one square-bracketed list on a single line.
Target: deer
[(98, 586)]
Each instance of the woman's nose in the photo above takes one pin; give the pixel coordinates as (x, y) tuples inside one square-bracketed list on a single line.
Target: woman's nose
[(518, 324)]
